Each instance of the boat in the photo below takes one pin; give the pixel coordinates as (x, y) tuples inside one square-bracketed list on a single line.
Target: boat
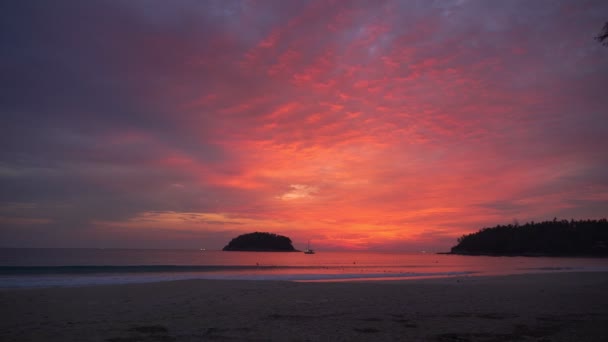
[(308, 250)]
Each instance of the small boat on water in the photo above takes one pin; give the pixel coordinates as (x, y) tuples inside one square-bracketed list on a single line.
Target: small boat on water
[(308, 250)]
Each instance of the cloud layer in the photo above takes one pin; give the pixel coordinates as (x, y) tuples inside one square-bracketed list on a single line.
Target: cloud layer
[(360, 125)]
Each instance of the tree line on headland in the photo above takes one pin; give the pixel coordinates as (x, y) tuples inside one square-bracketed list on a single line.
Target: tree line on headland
[(550, 238)]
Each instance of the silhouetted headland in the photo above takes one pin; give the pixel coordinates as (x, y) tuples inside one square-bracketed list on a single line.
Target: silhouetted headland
[(260, 242), (548, 238)]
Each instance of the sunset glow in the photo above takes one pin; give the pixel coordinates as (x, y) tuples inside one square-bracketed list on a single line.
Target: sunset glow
[(379, 125)]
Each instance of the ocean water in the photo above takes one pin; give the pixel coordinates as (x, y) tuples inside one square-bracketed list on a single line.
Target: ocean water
[(25, 268)]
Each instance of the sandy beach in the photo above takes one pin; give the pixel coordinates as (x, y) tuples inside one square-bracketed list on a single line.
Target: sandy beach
[(541, 307)]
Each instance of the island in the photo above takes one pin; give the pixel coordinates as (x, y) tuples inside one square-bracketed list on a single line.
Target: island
[(260, 242), (549, 238)]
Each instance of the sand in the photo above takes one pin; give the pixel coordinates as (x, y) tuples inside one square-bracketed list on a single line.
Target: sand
[(542, 307)]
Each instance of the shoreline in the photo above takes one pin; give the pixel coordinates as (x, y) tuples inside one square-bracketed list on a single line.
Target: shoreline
[(560, 306), (84, 276), (42, 281), (527, 255)]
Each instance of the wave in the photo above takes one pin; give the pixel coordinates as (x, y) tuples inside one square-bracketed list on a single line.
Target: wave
[(69, 276), (86, 279), (93, 269), (17, 270)]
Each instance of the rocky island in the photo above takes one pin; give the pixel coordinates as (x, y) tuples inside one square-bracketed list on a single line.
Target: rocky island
[(260, 242), (548, 238)]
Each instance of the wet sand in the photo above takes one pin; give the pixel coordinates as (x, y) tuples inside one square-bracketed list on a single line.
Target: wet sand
[(543, 307)]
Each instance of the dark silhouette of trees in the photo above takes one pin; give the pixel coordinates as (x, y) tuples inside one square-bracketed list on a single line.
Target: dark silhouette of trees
[(260, 242), (551, 238), (602, 37)]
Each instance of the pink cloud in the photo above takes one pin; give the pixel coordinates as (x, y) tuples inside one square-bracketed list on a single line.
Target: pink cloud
[(359, 125)]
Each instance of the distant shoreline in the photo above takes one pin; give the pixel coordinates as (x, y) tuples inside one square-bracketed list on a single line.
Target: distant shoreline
[(529, 255)]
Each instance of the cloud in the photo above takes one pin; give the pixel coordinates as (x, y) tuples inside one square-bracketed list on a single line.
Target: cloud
[(299, 191), (361, 124)]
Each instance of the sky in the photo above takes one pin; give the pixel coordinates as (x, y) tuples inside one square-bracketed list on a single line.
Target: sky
[(357, 125)]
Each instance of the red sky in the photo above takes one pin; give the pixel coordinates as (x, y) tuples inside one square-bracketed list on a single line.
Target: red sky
[(372, 125)]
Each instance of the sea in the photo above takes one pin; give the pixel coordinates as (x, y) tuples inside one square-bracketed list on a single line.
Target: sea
[(35, 268)]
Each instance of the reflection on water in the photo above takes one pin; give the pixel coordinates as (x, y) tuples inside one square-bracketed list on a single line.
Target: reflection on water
[(73, 267)]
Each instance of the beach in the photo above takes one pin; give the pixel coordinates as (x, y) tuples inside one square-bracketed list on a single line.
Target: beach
[(528, 307)]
